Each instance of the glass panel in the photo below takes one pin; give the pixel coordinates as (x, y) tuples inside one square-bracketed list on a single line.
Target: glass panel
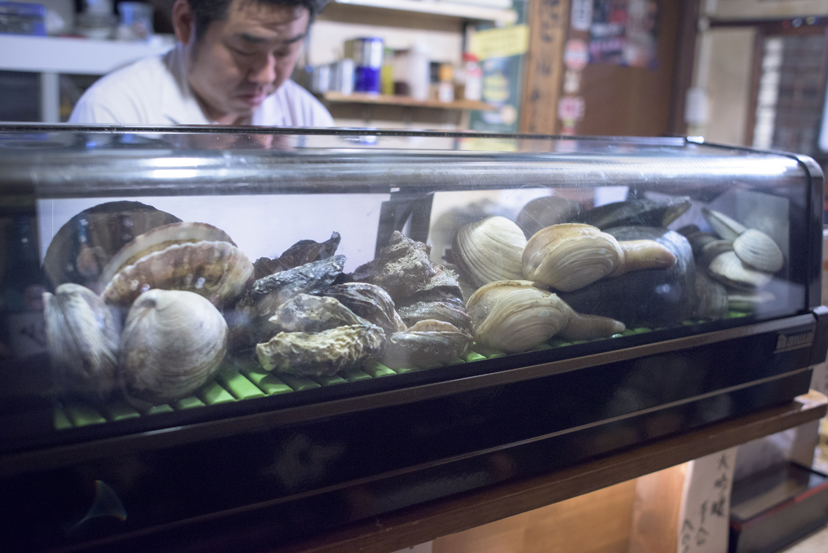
[(158, 277)]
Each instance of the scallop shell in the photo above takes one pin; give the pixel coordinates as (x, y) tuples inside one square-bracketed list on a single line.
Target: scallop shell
[(173, 343), (758, 250), (219, 271), (82, 336), (489, 250), (728, 269), (157, 239), (517, 315)]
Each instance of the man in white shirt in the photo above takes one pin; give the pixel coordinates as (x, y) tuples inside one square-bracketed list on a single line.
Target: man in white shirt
[(231, 66)]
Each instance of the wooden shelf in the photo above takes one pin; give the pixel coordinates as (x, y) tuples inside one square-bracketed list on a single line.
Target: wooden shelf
[(384, 100), (415, 525), (447, 9)]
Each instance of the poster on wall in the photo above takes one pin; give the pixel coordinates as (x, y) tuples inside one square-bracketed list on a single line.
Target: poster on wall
[(624, 32)]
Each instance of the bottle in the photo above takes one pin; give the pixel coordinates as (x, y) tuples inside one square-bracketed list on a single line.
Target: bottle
[(470, 79), (445, 87), (418, 71)]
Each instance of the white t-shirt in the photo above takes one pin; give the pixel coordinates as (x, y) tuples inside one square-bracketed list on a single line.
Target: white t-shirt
[(154, 91)]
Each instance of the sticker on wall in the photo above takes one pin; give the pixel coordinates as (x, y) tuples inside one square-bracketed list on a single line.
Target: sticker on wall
[(571, 109), (576, 54), (572, 82), (581, 14)]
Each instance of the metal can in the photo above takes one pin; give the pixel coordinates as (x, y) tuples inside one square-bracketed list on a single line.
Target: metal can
[(367, 55)]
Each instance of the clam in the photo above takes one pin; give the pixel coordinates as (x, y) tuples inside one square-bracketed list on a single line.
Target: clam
[(752, 246), (82, 336), (173, 342), (758, 250), (218, 271), (322, 353), (711, 298), (517, 315), (750, 301), (427, 343), (544, 212), (570, 256), (489, 250), (728, 269)]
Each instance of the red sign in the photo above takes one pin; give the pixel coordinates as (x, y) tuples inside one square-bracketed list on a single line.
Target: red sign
[(571, 108), (576, 54)]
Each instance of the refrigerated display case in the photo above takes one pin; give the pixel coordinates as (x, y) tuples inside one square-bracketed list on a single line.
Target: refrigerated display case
[(251, 335)]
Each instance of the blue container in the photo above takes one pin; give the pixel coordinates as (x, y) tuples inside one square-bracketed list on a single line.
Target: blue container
[(22, 19), (367, 64)]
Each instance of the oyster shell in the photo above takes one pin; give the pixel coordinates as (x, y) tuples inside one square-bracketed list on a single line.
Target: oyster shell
[(450, 310), (322, 353), (370, 302), (82, 336), (570, 256), (489, 250), (728, 269), (218, 271), (427, 343), (402, 267), (303, 251), (758, 250), (173, 342), (544, 212), (84, 245), (517, 315), (306, 313)]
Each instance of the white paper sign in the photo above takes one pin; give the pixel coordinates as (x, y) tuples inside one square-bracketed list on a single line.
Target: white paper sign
[(581, 14), (704, 518)]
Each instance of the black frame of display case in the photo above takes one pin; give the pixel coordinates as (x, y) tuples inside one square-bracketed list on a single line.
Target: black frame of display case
[(279, 469)]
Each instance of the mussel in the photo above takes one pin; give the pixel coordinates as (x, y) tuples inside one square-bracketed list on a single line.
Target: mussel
[(173, 343)]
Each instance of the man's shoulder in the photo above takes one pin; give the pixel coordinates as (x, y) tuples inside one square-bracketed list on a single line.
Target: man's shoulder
[(141, 77), (302, 107)]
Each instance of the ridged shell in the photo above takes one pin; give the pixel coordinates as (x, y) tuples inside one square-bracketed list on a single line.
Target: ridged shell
[(173, 343), (370, 302), (322, 353), (728, 269), (427, 343), (758, 250), (219, 271), (82, 336), (306, 313), (711, 298), (570, 256), (157, 239), (489, 250)]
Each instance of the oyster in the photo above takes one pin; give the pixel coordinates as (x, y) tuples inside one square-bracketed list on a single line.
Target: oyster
[(216, 270), (450, 310), (370, 302), (570, 256), (306, 313), (304, 251), (517, 315), (173, 342), (322, 353), (752, 246), (82, 336), (544, 212), (402, 267), (425, 344), (644, 212), (728, 269), (84, 245), (268, 293), (489, 250)]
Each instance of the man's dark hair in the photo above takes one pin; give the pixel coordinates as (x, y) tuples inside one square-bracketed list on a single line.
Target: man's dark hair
[(207, 11)]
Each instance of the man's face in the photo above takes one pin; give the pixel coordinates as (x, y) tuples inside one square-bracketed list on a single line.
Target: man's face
[(237, 63)]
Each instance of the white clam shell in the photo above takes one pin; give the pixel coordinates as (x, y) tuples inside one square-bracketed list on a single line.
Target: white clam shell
[(724, 226), (758, 250), (82, 336), (173, 342), (728, 269), (490, 250)]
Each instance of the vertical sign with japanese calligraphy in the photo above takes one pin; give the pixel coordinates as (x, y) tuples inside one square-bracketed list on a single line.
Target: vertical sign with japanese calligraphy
[(704, 517)]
